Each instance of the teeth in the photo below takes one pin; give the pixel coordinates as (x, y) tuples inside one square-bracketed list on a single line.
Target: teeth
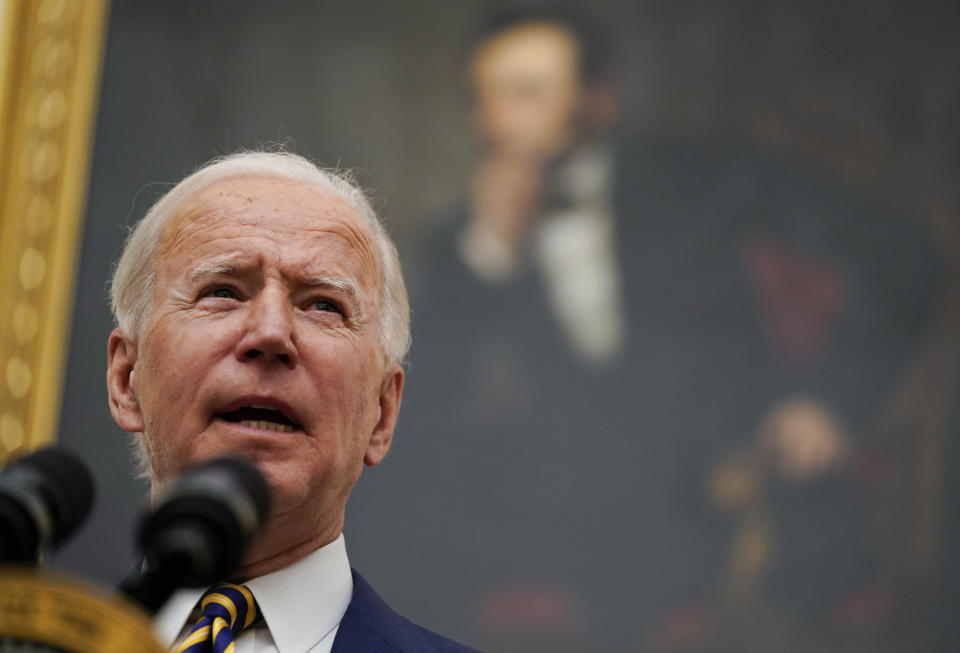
[(261, 406), (266, 426)]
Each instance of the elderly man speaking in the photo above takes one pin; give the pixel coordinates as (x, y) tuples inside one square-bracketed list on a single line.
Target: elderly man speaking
[(261, 312)]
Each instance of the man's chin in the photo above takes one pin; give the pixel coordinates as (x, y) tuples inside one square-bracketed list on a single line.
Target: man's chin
[(286, 493)]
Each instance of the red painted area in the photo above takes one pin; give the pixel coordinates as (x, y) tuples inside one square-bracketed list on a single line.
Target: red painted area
[(513, 606), (800, 298)]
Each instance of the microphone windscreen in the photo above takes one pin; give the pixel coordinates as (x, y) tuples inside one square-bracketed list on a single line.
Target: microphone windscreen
[(44, 498), (248, 477), (202, 523), (69, 485)]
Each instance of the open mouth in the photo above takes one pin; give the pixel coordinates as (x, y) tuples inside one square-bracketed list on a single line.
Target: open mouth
[(260, 417)]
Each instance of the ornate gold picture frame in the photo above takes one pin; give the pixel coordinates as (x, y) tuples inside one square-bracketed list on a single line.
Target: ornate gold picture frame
[(50, 62)]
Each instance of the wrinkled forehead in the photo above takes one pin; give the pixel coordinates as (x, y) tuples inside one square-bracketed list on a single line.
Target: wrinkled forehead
[(291, 210)]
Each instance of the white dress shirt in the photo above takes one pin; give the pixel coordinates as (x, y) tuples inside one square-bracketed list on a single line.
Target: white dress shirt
[(301, 605)]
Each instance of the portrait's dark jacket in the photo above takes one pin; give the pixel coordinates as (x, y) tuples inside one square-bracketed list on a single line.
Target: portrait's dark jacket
[(370, 626), (572, 486)]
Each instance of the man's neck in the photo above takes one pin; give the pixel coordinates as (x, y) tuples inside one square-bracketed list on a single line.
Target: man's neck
[(275, 548)]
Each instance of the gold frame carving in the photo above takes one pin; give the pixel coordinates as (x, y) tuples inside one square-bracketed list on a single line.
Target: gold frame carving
[(51, 53)]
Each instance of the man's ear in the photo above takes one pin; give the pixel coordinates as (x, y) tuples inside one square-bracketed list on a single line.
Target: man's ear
[(391, 392), (121, 358)]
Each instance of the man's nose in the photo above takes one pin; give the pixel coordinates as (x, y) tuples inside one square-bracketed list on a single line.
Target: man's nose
[(268, 331)]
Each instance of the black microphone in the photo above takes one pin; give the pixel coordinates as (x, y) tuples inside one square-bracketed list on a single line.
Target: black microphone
[(199, 529), (44, 497)]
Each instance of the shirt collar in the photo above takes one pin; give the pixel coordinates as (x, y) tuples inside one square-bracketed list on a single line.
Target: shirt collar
[(303, 602), (300, 603)]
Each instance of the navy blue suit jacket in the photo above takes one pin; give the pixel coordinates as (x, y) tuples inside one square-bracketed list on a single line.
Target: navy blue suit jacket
[(370, 626)]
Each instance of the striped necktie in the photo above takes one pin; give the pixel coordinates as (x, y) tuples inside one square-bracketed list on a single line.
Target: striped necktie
[(226, 610)]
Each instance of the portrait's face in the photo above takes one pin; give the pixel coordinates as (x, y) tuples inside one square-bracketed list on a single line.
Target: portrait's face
[(263, 341), (527, 90)]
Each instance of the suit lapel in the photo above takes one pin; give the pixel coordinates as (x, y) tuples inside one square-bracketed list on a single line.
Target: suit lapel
[(369, 624)]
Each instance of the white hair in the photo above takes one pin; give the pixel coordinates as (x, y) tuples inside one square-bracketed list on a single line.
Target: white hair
[(131, 291)]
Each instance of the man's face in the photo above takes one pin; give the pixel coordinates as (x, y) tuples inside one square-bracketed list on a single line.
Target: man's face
[(527, 90), (263, 341)]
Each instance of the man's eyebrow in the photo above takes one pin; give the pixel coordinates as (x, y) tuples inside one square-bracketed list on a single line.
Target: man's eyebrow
[(339, 284), (234, 265), (214, 268)]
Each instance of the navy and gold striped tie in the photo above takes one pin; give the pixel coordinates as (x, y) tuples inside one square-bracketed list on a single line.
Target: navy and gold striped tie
[(226, 611)]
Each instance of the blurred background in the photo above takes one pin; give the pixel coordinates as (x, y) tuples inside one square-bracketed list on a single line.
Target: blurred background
[(684, 278)]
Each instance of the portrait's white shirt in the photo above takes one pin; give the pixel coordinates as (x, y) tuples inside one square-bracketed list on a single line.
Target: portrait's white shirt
[(301, 605), (575, 253)]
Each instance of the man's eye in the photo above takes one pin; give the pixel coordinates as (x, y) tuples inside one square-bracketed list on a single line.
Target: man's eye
[(224, 293), (325, 305)]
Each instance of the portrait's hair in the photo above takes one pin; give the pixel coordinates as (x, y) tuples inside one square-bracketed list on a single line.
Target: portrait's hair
[(131, 291), (595, 45)]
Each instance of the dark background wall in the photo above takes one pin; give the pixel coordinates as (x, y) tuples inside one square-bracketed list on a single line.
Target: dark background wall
[(864, 92)]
